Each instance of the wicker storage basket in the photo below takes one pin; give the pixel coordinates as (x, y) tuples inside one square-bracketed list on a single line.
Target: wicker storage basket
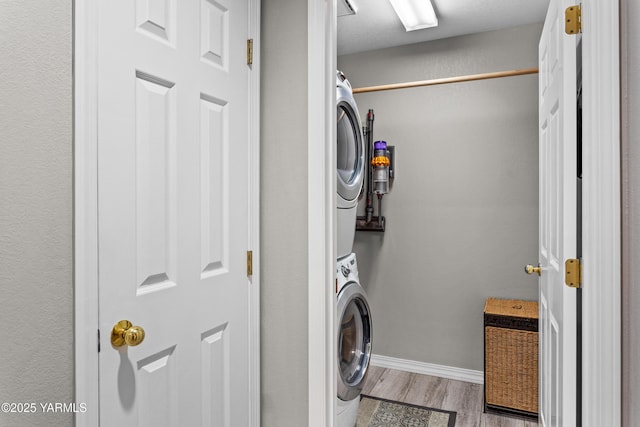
[(511, 356)]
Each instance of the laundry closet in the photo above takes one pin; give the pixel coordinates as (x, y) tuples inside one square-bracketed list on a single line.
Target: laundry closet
[(461, 219)]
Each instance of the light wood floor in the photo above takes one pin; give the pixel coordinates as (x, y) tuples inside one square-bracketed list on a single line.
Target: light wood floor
[(424, 390)]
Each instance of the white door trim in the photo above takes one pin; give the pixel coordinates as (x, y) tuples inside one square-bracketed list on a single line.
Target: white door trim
[(601, 328), (86, 211), (321, 210)]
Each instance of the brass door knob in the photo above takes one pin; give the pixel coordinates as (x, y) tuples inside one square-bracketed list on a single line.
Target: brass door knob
[(530, 269), (124, 333)]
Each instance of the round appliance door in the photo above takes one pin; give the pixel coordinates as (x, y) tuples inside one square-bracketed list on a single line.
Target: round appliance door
[(354, 340), (350, 149)]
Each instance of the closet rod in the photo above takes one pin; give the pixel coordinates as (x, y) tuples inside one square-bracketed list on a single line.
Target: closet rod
[(447, 80)]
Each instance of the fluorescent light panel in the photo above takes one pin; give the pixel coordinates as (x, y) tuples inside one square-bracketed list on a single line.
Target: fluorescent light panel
[(415, 14)]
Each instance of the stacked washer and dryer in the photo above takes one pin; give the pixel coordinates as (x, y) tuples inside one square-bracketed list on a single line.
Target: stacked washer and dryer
[(353, 314)]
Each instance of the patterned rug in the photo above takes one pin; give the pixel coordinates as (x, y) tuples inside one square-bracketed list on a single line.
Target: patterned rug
[(376, 412)]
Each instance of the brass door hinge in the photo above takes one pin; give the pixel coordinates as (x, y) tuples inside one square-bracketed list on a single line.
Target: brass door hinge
[(249, 263), (249, 51), (573, 20), (573, 273)]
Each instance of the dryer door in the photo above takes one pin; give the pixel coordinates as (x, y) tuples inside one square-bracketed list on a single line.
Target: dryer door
[(354, 340), (350, 149)]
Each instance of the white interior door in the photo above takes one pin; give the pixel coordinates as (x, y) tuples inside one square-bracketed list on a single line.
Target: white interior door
[(173, 202), (558, 193)]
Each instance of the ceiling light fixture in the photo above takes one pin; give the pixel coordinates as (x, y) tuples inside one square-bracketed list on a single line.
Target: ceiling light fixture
[(346, 7), (415, 14)]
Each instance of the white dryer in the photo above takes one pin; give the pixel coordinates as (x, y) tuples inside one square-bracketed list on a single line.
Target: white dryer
[(353, 340), (351, 166)]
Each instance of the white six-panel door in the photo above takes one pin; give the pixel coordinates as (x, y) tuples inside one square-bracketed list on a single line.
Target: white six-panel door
[(557, 239), (173, 211)]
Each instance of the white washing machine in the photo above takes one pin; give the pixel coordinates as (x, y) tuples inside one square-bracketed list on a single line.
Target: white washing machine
[(353, 340), (351, 166)]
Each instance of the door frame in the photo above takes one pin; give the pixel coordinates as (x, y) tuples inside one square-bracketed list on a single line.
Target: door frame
[(601, 231), (322, 163), (601, 327), (85, 226)]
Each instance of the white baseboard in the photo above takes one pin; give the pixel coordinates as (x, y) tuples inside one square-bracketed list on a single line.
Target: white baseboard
[(450, 372)]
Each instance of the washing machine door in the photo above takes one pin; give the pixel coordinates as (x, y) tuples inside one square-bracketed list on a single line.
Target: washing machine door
[(354, 340), (350, 148)]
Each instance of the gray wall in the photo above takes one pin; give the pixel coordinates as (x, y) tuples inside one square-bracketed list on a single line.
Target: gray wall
[(36, 263), (630, 69), (284, 213), (462, 218)]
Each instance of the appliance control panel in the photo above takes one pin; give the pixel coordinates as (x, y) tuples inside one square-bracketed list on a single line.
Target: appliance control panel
[(346, 270)]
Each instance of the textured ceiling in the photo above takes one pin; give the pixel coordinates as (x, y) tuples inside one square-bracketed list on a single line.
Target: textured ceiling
[(376, 25)]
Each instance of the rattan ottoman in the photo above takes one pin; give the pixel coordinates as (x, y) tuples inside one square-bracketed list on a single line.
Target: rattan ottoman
[(511, 357)]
